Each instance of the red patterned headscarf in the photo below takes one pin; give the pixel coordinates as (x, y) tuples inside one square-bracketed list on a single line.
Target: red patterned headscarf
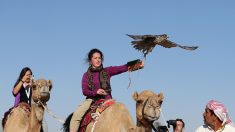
[(219, 110)]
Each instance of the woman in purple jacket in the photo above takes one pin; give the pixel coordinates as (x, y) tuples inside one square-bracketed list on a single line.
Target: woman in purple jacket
[(96, 83)]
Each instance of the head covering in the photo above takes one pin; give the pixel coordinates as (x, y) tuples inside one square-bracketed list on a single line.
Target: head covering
[(219, 110)]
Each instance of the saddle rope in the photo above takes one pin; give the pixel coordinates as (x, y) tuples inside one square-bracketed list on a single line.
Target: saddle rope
[(95, 116), (93, 126), (164, 120), (52, 114), (129, 76)]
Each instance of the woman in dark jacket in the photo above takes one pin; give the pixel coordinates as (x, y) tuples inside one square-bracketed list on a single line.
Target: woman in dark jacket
[(22, 90)]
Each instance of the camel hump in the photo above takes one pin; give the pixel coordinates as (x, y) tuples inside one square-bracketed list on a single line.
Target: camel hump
[(22, 109), (118, 106), (115, 118)]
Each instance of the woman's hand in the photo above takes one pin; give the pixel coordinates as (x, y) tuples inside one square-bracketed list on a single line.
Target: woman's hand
[(101, 92), (141, 64), (136, 66), (24, 79)]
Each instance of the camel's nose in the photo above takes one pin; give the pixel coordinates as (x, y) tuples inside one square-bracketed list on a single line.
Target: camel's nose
[(44, 89), (45, 96)]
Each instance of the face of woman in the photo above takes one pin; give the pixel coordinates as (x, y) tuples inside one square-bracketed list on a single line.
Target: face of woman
[(96, 60), (179, 126), (27, 76)]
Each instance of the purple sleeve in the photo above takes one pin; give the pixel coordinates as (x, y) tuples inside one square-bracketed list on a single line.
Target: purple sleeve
[(85, 90), (114, 70), (17, 99)]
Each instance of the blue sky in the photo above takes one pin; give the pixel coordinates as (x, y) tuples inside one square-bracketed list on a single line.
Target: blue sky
[(53, 38)]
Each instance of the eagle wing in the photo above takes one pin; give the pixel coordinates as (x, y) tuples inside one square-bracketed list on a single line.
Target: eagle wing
[(135, 37), (143, 37), (170, 44)]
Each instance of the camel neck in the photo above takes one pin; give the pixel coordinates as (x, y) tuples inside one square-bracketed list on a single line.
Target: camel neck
[(36, 116), (143, 128)]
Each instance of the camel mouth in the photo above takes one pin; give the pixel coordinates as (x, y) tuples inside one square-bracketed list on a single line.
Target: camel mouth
[(44, 96), (151, 118)]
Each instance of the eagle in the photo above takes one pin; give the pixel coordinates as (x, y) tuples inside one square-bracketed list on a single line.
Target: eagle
[(146, 43)]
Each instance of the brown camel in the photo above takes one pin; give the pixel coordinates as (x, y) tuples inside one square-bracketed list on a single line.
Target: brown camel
[(117, 118), (22, 121)]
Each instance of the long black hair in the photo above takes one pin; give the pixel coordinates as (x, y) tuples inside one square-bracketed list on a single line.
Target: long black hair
[(22, 73)]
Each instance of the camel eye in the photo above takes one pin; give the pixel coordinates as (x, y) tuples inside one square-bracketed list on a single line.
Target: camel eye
[(139, 101), (34, 87), (160, 102)]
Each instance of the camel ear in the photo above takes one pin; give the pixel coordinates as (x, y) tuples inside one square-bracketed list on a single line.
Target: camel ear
[(32, 83), (135, 96), (161, 96), (50, 84)]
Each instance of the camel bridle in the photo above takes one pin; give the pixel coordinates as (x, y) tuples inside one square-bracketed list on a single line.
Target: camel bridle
[(145, 102)]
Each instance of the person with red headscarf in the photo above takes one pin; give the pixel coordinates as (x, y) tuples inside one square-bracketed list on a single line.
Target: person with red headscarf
[(216, 118)]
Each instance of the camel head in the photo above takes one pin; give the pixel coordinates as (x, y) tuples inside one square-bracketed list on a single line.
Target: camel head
[(148, 106), (41, 90)]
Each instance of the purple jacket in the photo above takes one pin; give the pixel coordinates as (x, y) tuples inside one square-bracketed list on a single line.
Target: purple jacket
[(112, 70)]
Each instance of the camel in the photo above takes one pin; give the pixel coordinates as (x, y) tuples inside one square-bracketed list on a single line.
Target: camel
[(21, 120), (117, 118)]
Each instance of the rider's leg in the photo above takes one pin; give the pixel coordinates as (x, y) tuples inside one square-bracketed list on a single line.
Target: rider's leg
[(78, 114)]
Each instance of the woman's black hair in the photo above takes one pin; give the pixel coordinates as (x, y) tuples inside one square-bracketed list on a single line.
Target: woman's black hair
[(92, 51), (181, 120), (22, 73)]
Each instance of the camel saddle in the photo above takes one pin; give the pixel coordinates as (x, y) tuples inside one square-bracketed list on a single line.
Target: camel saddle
[(94, 111)]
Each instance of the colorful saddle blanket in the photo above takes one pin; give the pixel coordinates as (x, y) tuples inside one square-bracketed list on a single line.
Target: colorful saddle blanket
[(96, 108)]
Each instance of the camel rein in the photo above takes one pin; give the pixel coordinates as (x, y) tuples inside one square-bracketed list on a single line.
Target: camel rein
[(164, 119), (145, 102), (50, 112)]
